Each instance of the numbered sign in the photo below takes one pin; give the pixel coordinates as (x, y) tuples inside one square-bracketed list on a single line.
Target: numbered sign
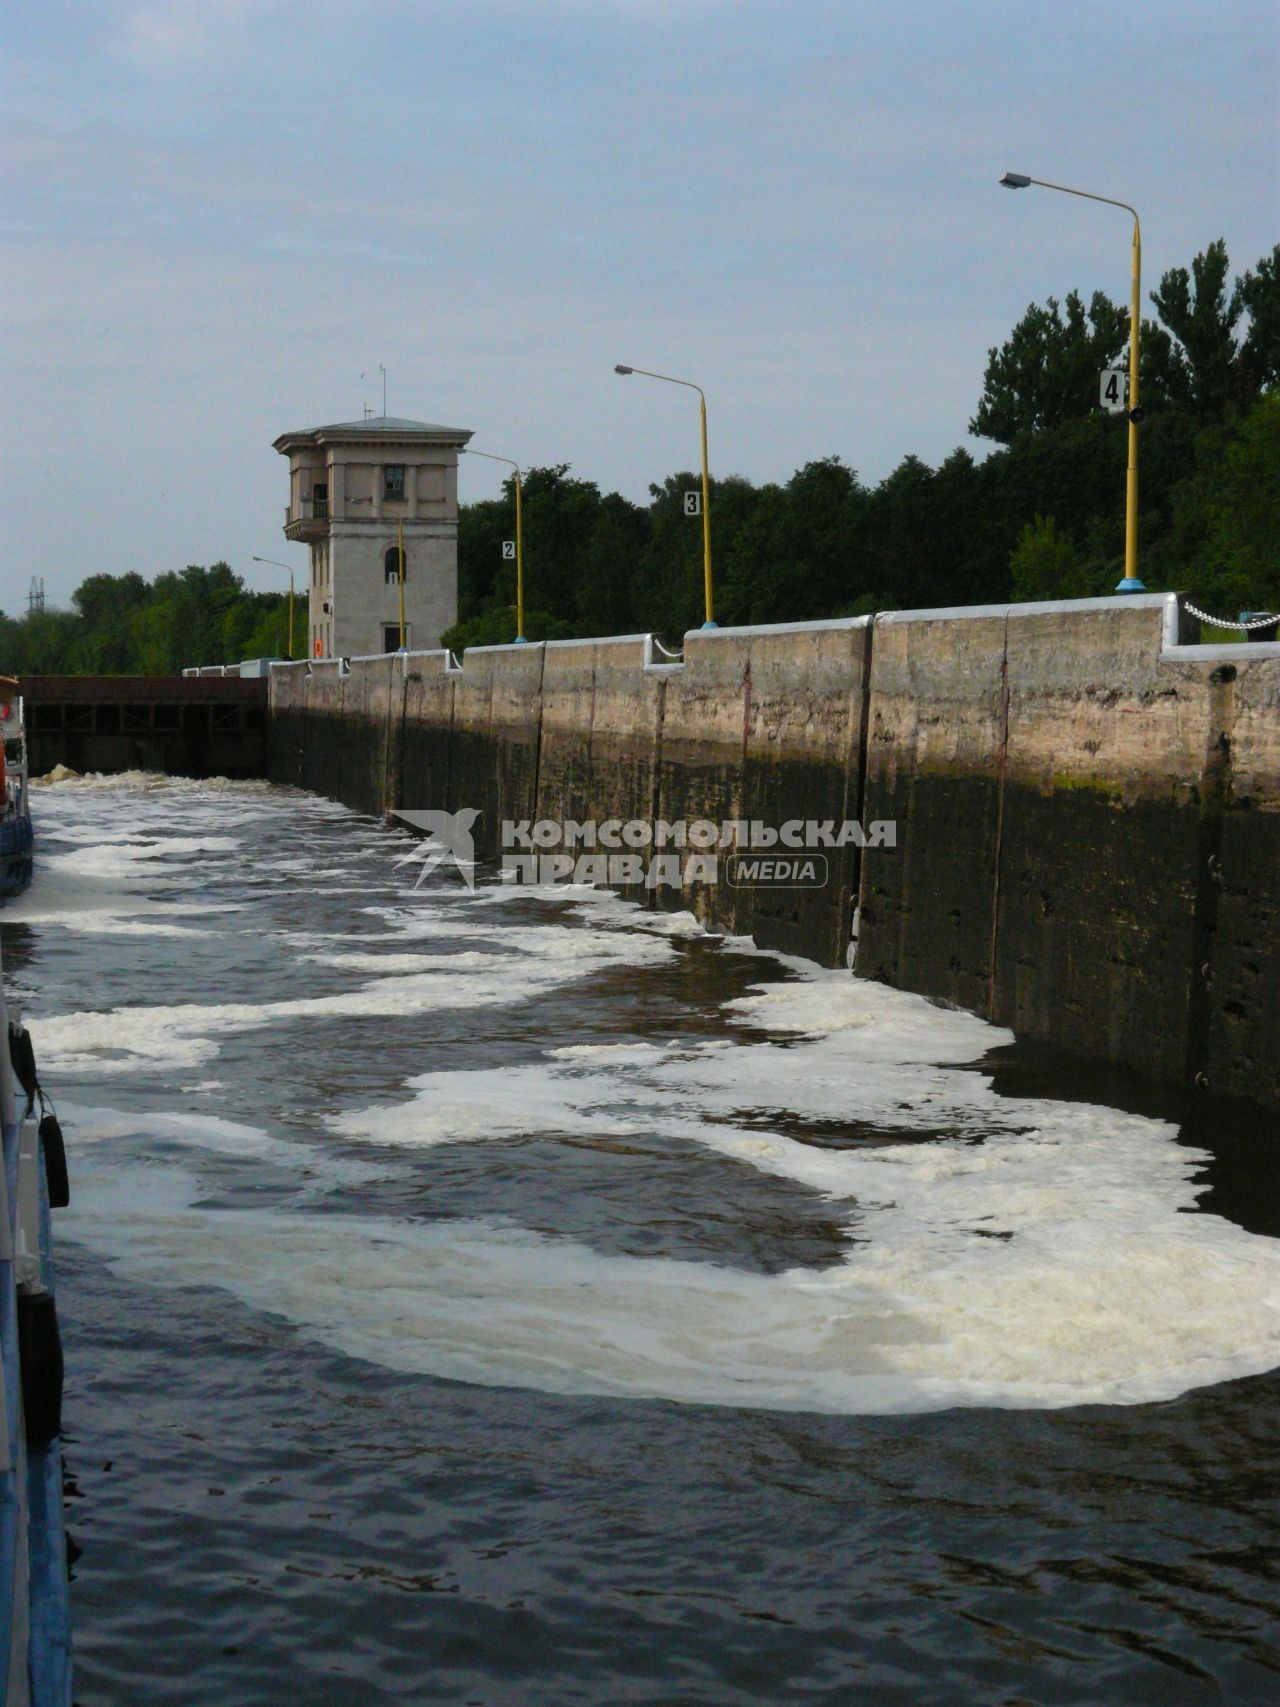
[(509, 549), (693, 503), (1114, 388)]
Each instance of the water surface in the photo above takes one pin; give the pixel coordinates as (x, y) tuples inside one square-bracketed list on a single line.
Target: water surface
[(515, 1297)]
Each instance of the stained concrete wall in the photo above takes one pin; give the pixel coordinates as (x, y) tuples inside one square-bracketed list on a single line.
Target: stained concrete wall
[(497, 722), (600, 734), (933, 767), (1229, 701), (335, 728), (425, 730), (765, 725), (1087, 811), (1090, 833)]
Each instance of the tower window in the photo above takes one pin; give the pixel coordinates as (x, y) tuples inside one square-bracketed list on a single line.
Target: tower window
[(391, 565), (393, 480)]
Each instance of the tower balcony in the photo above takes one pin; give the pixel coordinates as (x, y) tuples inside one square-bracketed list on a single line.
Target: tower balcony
[(308, 519)]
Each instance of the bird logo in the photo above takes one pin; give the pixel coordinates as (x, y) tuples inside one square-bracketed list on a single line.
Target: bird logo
[(452, 831)]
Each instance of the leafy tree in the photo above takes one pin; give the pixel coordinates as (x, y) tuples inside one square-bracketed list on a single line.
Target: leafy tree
[(1196, 356), (1226, 516), (671, 567), (1258, 295), (1197, 309), (1045, 564), (1046, 372), (120, 624), (582, 557)]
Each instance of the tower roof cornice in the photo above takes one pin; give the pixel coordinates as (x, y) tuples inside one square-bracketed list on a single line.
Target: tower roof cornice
[(393, 429)]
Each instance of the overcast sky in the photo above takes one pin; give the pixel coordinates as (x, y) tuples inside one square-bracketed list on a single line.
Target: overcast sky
[(220, 214)]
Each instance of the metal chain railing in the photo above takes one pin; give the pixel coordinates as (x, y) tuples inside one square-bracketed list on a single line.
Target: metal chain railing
[(1263, 621)]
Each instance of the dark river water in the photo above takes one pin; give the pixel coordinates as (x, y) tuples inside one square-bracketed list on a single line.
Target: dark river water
[(515, 1297)]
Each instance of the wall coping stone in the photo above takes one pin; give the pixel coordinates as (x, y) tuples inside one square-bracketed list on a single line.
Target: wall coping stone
[(595, 640), (825, 624)]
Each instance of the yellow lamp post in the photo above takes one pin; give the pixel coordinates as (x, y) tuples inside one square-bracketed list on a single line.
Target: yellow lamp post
[(706, 479), (289, 566), (1020, 181), (470, 450)]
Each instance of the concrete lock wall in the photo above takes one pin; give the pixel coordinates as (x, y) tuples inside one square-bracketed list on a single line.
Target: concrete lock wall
[(1087, 812)]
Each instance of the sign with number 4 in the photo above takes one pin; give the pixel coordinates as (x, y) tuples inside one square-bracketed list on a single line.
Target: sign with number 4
[(693, 503), (1114, 389)]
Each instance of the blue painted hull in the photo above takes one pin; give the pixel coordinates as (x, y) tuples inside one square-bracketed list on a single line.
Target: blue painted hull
[(35, 1602), (16, 854)]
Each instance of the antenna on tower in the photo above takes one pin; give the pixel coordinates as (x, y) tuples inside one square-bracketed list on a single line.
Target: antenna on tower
[(35, 598), (383, 372)]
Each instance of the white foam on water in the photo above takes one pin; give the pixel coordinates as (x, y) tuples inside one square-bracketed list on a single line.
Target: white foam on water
[(900, 1326), (539, 942), (604, 907), (462, 960), (148, 782), (129, 1039), (822, 1002), (214, 1134), (97, 876), (1011, 1251), (123, 858), (101, 907), (600, 1053), (459, 1107), (1052, 1263)]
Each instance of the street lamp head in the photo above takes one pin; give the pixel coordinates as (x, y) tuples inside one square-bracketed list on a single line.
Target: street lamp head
[(1015, 180), (618, 368)]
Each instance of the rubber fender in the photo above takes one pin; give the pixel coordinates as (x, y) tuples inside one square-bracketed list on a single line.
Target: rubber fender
[(40, 1360), (55, 1162), (23, 1057)]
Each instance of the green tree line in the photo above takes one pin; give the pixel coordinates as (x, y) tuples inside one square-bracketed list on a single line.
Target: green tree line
[(123, 625), (1041, 517)]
